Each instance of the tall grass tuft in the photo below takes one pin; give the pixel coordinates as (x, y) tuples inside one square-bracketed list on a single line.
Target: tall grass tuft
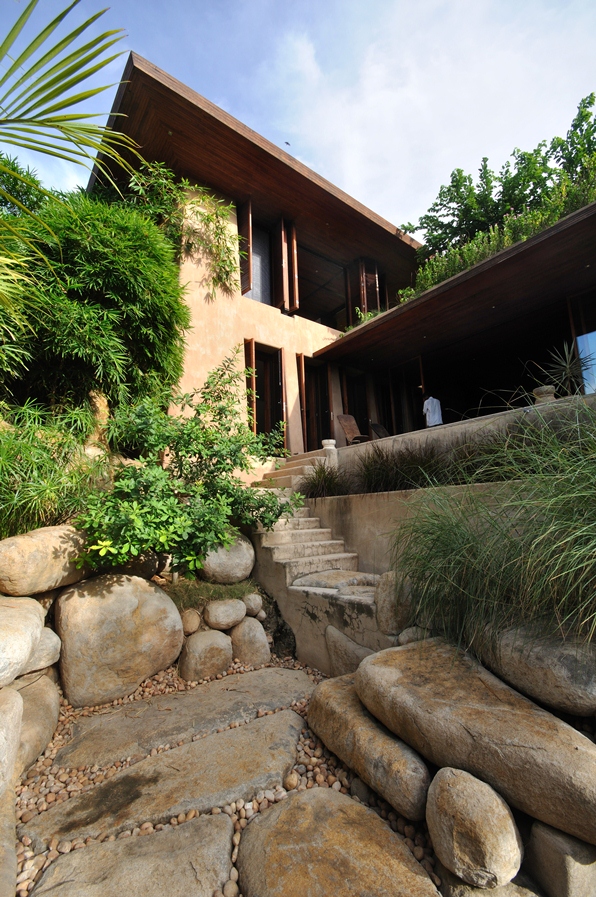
[(522, 552), (323, 481), (44, 473), (390, 469)]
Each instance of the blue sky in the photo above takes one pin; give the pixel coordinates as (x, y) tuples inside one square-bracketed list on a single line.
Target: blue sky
[(382, 97)]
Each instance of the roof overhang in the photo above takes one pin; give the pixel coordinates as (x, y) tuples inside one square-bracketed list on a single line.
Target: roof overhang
[(198, 140), (555, 265)]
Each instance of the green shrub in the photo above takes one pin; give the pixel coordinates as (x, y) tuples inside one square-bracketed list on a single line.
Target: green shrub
[(197, 501)]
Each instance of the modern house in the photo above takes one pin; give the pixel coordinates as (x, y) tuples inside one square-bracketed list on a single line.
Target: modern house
[(313, 256)]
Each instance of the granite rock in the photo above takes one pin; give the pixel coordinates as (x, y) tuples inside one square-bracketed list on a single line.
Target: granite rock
[(228, 565), (249, 642), (344, 652), (41, 560), (205, 654)]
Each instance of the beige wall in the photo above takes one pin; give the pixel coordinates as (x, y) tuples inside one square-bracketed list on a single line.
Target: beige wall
[(221, 324)]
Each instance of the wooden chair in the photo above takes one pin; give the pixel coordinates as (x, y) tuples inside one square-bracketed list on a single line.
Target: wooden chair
[(379, 431), (350, 428)]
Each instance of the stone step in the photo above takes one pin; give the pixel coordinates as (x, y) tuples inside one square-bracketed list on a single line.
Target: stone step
[(291, 524), (211, 772), (285, 481), (307, 456), (191, 859), (337, 579), (301, 462), (287, 537), (296, 469), (306, 549), (355, 596), (135, 729), (302, 566)]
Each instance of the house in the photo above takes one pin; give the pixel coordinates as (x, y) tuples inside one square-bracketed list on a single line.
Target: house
[(313, 257), (312, 254)]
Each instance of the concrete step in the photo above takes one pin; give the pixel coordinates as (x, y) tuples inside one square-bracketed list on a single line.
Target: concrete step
[(302, 566), (306, 549), (307, 456), (283, 482), (293, 463), (292, 536), (300, 470)]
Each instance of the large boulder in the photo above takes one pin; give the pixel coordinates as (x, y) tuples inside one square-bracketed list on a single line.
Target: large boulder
[(41, 560), (389, 766), (41, 709), (472, 829), (344, 652), (249, 642), (559, 674), (47, 652), (564, 866), (233, 564), (11, 715), (21, 625), (205, 654), (116, 631), (455, 713), (320, 842), (224, 614)]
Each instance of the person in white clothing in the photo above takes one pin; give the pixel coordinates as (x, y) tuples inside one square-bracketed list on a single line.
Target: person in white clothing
[(432, 411)]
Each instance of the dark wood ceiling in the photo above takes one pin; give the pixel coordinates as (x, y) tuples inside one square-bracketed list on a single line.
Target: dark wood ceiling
[(199, 141), (546, 269)]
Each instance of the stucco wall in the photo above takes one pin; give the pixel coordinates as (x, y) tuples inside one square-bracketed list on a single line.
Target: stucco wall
[(221, 324)]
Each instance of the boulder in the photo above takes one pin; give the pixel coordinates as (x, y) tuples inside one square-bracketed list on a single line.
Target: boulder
[(47, 652), (472, 829), (145, 565), (389, 766), (412, 634), (392, 597), (11, 714), (344, 652), (46, 599), (559, 674), (41, 709), (254, 604), (320, 842), (116, 631), (249, 642), (564, 866), (224, 614), (205, 654), (452, 886), (21, 624), (191, 620), (233, 564), (455, 713), (41, 560), (191, 860), (8, 855)]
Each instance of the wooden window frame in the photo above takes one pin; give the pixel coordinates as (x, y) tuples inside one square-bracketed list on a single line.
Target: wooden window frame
[(244, 215), (251, 383)]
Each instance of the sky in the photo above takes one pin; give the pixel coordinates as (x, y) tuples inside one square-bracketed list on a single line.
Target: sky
[(384, 98)]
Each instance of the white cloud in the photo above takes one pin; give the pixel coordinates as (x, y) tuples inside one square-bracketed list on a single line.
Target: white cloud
[(438, 86)]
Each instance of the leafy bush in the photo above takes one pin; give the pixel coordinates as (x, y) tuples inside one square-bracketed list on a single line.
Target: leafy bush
[(196, 501), (521, 554), (111, 315), (44, 473)]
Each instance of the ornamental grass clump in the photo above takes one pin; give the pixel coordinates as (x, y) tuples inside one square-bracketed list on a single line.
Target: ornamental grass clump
[(482, 559), (323, 481)]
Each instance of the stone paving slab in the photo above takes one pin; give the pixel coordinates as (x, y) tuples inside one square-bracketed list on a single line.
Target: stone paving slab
[(138, 727), (319, 843), (192, 860), (211, 772)]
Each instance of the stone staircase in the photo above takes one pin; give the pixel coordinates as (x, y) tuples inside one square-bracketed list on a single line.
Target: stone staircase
[(291, 471), (316, 584)]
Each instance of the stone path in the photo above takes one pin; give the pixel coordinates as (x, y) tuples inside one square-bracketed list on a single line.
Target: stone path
[(174, 821)]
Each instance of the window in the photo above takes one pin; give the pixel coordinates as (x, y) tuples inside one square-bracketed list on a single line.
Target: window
[(261, 267)]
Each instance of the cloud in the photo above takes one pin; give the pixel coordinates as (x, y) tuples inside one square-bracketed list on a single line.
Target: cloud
[(437, 86)]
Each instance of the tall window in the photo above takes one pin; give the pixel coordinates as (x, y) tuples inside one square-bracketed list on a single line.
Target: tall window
[(261, 267)]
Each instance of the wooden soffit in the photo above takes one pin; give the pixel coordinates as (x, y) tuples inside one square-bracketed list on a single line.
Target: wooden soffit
[(548, 268), (177, 126)]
